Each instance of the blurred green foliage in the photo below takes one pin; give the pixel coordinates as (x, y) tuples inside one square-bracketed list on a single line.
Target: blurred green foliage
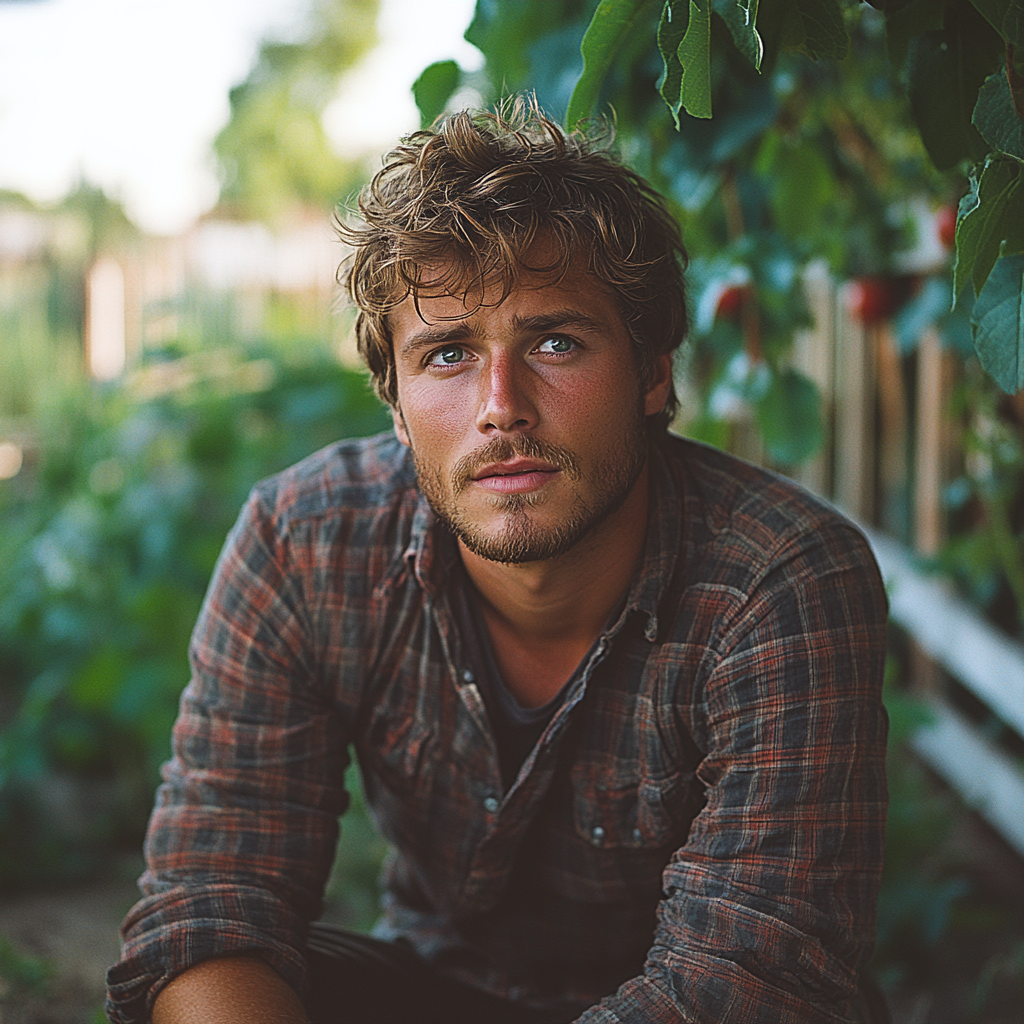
[(985, 555), (274, 154), (108, 543), (923, 887), (42, 301), (21, 974), (934, 911)]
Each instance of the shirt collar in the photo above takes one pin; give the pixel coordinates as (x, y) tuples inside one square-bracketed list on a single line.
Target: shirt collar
[(663, 547), (430, 556)]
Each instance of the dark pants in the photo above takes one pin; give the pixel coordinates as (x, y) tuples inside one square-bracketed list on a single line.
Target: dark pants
[(355, 979)]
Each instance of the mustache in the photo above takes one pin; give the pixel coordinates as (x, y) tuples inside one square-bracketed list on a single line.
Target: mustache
[(502, 449)]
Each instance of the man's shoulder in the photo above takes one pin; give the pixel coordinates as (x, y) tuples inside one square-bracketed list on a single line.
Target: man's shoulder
[(758, 515), (369, 474)]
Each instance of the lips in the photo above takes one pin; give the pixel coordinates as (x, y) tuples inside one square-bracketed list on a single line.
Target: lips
[(513, 467), (513, 464), (514, 477)]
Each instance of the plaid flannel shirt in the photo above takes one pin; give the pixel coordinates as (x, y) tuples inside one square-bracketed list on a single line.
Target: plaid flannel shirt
[(697, 835)]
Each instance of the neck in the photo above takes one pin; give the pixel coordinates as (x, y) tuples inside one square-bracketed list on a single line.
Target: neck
[(565, 601)]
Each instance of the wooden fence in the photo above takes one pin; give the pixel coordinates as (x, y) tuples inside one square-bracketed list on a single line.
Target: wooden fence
[(892, 450)]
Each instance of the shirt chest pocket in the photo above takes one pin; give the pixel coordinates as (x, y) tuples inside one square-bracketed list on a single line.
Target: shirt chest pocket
[(644, 814), (399, 752)]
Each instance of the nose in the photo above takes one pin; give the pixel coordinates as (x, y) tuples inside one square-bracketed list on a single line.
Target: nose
[(505, 404)]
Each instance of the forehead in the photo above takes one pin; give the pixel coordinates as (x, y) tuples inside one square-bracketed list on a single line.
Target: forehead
[(445, 298)]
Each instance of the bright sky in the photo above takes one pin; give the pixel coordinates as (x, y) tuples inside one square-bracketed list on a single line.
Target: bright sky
[(130, 93)]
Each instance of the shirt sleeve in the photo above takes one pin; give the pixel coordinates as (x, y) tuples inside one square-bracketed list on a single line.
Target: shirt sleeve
[(243, 833), (768, 909)]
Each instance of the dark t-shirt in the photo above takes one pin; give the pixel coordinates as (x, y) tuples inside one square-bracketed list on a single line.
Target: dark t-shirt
[(516, 729)]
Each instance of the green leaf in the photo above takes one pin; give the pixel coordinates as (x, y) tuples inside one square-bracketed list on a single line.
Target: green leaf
[(945, 70), (1006, 17), (434, 88), (905, 19), (507, 33), (801, 184), (611, 25), (1013, 222), (694, 54), (812, 27), (675, 16), (741, 18), (789, 418), (998, 324), (996, 119), (982, 222)]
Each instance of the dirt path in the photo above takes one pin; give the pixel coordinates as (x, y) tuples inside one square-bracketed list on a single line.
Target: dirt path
[(75, 930)]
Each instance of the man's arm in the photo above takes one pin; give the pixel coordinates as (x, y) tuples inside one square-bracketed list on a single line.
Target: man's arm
[(229, 990), (768, 915), (242, 836)]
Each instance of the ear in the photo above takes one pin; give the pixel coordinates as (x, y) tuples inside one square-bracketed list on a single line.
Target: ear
[(399, 424), (661, 384)]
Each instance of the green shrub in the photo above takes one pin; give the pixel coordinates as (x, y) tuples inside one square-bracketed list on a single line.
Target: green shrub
[(109, 538)]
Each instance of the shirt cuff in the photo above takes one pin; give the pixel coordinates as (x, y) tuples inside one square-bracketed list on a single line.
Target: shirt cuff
[(157, 948), (638, 1001)]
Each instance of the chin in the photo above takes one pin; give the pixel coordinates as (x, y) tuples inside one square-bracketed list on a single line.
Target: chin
[(520, 538)]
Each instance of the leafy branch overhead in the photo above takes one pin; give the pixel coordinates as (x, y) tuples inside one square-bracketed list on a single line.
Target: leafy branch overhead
[(960, 62)]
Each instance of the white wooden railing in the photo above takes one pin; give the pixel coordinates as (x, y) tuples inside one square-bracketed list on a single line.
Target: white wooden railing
[(879, 443)]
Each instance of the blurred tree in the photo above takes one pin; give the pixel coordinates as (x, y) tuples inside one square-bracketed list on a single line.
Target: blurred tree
[(41, 316), (273, 153)]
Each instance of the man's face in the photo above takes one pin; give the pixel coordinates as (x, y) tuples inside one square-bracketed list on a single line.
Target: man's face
[(526, 419)]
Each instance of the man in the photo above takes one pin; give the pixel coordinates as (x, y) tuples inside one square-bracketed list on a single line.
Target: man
[(615, 696)]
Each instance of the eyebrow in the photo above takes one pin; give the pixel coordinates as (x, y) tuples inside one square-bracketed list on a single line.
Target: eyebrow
[(556, 318), (439, 334), (460, 330)]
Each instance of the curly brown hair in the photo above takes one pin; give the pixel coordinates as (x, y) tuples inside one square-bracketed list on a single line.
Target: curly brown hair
[(473, 194)]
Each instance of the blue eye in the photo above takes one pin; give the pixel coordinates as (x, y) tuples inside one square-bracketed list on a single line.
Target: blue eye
[(557, 344), (448, 356)]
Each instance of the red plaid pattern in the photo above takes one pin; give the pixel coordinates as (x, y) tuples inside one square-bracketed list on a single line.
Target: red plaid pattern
[(700, 826)]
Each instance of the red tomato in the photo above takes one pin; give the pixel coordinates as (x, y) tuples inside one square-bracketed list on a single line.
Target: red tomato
[(730, 302), (872, 299), (945, 226)]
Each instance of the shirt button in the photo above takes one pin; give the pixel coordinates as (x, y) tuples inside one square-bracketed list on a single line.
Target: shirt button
[(597, 836), (491, 804), (467, 676), (636, 835)]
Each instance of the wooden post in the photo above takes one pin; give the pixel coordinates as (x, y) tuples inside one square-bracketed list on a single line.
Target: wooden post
[(928, 456), (892, 439), (928, 446), (855, 419), (105, 339), (814, 356)]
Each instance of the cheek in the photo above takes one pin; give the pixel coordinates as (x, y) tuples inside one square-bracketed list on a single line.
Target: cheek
[(435, 421), (598, 402)]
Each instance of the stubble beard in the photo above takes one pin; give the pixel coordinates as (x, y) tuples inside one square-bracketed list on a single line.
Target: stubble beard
[(520, 537)]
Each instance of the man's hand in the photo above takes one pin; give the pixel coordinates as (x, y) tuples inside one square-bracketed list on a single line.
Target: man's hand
[(229, 990)]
